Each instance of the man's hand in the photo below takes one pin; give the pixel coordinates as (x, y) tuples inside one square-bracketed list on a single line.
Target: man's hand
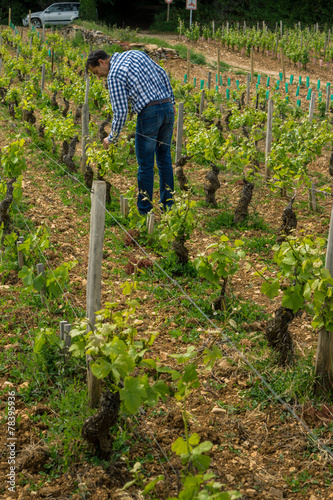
[(106, 143)]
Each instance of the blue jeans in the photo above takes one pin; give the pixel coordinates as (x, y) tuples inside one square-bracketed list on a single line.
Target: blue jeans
[(154, 129)]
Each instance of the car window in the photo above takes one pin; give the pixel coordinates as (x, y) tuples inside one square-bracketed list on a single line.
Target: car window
[(55, 8)]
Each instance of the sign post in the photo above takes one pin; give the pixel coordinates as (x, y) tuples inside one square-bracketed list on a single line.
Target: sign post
[(168, 10), (191, 5)]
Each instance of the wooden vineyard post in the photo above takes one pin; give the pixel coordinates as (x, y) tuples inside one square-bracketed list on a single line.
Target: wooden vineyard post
[(218, 66), (62, 329), (268, 138), (30, 20), (188, 65), (248, 89), (282, 65), (328, 99), (126, 209), (312, 197), (276, 46), (67, 340), (123, 206), (85, 128), (252, 70), (312, 106), (20, 259), (52, 60), (96, 239), (324, 354), (43, 78), (202, 102), (9, 16), (209, 79), (312, 191), (325, 47), (179, 139), (150, 222), (40, 270), (67, 337)]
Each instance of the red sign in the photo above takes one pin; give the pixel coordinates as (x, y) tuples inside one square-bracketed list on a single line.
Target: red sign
[(191, 4), (168, 1)]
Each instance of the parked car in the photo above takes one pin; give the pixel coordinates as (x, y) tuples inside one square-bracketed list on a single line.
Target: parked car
[(57, 13)]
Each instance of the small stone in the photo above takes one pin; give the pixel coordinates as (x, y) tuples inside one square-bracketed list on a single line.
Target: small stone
[(217, 409), (275, 493), (230, 478), (151, 47), (12, 346), (24, 385), (7, 384)]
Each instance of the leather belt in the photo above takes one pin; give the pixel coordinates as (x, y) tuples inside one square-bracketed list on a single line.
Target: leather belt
[(158, 101)]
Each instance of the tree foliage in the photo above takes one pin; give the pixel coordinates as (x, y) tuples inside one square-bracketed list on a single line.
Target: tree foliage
[(88, 10), (145, 12)]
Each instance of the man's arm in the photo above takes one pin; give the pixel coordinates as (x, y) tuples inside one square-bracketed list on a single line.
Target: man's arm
[(168, 86), (119, 103)]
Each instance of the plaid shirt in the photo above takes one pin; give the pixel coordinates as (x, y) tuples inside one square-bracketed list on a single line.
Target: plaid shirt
[(134, 77)]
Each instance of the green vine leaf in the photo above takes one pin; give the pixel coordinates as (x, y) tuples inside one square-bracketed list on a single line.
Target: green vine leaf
[(271, 289), (293, 298), (133, 394), (101, 368)]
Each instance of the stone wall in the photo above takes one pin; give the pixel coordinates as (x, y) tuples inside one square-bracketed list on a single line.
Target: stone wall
[(97, 39)]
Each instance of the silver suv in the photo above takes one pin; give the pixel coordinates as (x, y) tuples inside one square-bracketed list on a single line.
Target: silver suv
[(57, 13)]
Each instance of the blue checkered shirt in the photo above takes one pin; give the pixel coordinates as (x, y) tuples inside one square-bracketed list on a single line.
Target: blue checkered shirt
[(134, 77)]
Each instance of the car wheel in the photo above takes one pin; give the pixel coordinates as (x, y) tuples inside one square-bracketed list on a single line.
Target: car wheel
[(36, 22)]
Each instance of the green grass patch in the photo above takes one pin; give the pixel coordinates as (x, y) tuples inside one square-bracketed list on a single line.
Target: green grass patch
[(224, 67), (293, 384), (173, 267), (261, 244), (225, 219), (195, 57)]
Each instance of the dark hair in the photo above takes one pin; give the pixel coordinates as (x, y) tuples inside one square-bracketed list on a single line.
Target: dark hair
[(94, 57)]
